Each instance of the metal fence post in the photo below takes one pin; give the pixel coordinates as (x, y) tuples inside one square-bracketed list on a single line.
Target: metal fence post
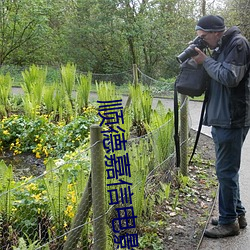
[(184, 135), (98, 188)]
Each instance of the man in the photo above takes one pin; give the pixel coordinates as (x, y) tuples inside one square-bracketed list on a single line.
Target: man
[(228, 112)]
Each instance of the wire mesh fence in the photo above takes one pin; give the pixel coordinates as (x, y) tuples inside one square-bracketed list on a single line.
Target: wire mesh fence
[(92, 201)]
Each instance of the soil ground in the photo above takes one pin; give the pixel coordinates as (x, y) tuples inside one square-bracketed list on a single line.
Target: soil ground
[(187, 222)]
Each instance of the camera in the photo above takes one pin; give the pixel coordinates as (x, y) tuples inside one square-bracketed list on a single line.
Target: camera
[(190, 51)]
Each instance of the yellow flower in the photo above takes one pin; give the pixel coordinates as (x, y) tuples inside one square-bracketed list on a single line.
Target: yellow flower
[(37, 196), (73, 199), (6, 132), (31, 187), (69, 211), (38, 155)]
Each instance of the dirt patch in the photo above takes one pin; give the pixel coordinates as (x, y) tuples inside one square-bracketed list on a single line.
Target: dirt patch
[(25, 164)]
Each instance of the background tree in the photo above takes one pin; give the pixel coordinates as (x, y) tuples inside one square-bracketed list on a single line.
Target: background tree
[(105, 36), (21, 25), (237, 13)]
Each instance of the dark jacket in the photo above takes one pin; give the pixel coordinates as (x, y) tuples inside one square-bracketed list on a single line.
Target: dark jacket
[(229, 90)]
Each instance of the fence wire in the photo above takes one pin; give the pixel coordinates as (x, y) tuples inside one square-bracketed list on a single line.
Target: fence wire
[(54, 210)]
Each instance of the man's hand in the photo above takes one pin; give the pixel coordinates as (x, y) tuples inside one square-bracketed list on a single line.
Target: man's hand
[(200, 58)]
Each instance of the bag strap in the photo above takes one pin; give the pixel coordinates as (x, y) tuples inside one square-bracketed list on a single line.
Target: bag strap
[(199, 127), (176, 126)]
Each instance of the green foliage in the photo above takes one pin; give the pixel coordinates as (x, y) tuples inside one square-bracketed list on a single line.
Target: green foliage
[(83, 91), (30, 206), (150, 241), (43, 137), (139, 157), (5, 91), (165, 190), (55, 196), (56, 183), (106, 91), (33, 85), (161, 128), (6, 184), (29, 245), (48, 98), (68, 74), (142, 109)]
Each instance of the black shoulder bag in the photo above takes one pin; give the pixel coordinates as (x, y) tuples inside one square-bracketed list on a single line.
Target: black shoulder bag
[(191, 81)]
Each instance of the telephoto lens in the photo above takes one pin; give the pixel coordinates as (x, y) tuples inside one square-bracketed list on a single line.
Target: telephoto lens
[(190, 50)]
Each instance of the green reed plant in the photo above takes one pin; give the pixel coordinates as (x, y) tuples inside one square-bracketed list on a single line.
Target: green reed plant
[(127, 118), (68, 74), (146, 102), (139, 157), (62, 106), (33, 85), (141, 109), (48, 98), (83, 91), (161, 132), (56, 184), (165, 190), (106, 91), (6, 184), (23, 245), (5, 90)]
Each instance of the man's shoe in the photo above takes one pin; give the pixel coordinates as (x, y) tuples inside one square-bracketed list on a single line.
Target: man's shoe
[(221, 231), (241, 219)]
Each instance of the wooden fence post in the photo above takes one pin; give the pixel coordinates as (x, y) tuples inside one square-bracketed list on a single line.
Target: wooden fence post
[(98, 188), (135, 82), (135, 74), (80, 218)]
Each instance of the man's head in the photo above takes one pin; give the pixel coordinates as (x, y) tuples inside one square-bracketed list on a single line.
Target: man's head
[(211, 28)]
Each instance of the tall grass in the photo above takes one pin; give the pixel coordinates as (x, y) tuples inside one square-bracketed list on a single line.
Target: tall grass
[(106, 91), (83, 91), (5, 90), (68, 74), (6, 197), (33, 86), (161, 128)]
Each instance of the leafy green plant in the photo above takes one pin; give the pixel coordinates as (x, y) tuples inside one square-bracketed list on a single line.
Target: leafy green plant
[(34, 81), (166, 189), (30, 208), (142, 109), (161, 128), (68, 74), (106, 91), (6, 184), (48, 98), (150, 241), (23, 245), (43, 137), (176, 199), (83, 91), (5, 90), (184, 181)]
